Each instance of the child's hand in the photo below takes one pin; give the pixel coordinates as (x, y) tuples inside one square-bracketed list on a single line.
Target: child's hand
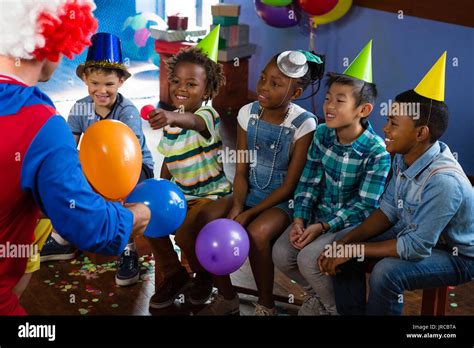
[(234, 212), (310, 233), (296, 232), (244, 218), (160, 118), (328, 265)]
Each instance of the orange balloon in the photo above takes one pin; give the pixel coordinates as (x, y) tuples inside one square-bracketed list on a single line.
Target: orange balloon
[(111, 158)]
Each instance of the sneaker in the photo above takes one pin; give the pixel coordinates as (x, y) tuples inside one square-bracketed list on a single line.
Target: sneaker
[(201, 290), (170, 289), (264, 311), (128, 271), (312, 306), (53, 251), (221, 306)]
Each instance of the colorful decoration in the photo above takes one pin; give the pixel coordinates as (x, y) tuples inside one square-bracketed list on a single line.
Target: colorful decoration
[(317, 7), (336, 13), (278, 17), (137, 42), (277, 2), (432, 85), (111, 158), (222, 246), (361, 67), (105, 52), (167, 205), (210, 44)]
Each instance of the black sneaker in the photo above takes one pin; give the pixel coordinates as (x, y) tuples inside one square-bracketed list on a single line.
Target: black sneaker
[(201, 289), (53, 251), (170, 289), (128, 270)]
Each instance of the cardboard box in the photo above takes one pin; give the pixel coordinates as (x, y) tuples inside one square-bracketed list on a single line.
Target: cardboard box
[(226, 10), (225, 21), (177, 22), (230, 53), (234, 35), (175, 35)]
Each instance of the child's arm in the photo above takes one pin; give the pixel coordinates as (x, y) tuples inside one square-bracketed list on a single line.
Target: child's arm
[(52, 173), (440, 201), (74, 123), (379, 220), (371, 188), (286, 190), (165, 173), (308, 188), (241, 174), (160, 118), (76, 138)]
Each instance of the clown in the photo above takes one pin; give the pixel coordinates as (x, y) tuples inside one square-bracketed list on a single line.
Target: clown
[(38, 156)]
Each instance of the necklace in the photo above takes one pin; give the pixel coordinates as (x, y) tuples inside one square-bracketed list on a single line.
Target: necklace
[(273, 147)]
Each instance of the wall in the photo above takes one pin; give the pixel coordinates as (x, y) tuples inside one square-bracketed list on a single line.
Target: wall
[(403, 51)]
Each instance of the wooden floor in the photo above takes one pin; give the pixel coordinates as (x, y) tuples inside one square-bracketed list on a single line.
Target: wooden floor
[(80, 287)]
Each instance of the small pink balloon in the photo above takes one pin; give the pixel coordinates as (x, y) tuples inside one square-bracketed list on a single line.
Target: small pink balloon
[(141, 37), (145, 111)]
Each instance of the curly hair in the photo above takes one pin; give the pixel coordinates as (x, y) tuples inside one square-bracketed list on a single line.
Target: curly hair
[(214, 73)]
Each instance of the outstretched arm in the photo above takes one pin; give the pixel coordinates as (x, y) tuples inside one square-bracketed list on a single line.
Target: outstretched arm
[(52, 172)]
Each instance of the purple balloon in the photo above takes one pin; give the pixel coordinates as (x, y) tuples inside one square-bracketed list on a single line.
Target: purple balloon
[(222, 246), (279, 17)]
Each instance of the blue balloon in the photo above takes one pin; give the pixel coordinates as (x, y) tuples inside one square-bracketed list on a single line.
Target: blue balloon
[(166, 202)]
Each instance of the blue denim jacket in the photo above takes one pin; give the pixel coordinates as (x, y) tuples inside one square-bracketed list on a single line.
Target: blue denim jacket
[(429, 202)]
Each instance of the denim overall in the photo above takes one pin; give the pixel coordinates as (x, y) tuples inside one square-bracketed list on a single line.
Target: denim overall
[(272, 150)]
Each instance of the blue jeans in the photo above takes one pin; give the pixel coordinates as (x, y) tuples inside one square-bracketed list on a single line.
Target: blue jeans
[(392, 276)]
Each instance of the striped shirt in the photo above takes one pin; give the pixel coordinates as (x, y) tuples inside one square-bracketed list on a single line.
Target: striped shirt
[(194, 161), (341, 184)]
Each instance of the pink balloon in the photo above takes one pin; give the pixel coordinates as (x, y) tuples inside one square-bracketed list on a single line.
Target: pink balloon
[(141, 36)]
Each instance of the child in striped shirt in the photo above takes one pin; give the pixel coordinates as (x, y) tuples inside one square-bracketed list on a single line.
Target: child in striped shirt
[(190, 145), (341, 185)]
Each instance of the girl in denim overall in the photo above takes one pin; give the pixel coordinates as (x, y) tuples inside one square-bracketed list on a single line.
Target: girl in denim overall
[(276, 135)]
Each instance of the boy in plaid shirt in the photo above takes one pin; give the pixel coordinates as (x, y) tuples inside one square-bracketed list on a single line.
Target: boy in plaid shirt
[(341, 184)]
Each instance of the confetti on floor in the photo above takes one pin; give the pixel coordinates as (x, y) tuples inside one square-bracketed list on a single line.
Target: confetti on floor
[(84, 268)]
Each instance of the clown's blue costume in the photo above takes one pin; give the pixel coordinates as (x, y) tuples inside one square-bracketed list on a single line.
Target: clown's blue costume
[(39, 165)]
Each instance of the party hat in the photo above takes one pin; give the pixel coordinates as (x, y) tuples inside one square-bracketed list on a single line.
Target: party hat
[(432, 85), (361, 67), (210, 44)]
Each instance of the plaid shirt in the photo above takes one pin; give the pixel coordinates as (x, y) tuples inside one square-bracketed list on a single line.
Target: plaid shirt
[(342, 184)]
